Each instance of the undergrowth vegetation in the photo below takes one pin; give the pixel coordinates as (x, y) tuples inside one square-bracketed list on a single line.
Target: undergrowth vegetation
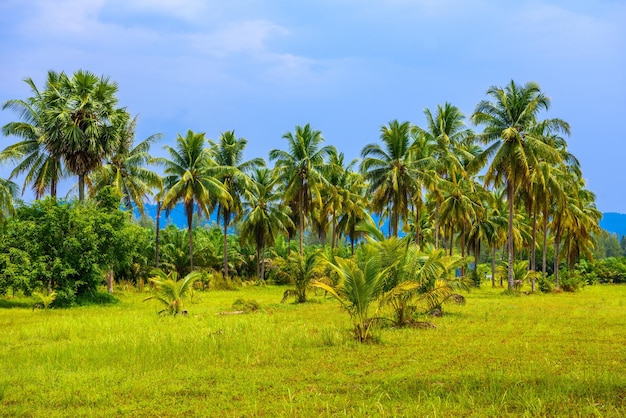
[(558, 354)]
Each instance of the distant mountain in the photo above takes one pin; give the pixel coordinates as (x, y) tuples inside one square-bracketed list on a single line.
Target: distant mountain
[(614, 223), (611, 221), (176, 216)]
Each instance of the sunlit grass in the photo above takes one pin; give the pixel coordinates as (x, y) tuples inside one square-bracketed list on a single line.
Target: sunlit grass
[(540, 355)]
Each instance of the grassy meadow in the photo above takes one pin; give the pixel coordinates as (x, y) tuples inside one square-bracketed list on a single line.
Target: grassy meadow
[(539, 355)]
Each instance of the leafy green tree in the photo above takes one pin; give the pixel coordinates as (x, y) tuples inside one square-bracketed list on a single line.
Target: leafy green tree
[(300, 167), (508, 120), (229, 154), (64, 247), (82, 121), (172, 291), (191, 176)]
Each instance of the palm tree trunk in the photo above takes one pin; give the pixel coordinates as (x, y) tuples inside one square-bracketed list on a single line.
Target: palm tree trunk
[(509, 196), (533, 250), (333, 231), (436, 224), (190, 230), (557, 243), (301, 220), (463, 250), (226, 222), (158, 219), (81, 187), (263, 262), (545, 244), (493, 268)]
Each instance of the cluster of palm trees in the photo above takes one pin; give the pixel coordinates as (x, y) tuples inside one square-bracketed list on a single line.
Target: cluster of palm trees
[(436, 183)]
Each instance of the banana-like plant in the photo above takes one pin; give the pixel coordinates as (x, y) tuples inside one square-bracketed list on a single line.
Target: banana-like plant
[(171, 291)]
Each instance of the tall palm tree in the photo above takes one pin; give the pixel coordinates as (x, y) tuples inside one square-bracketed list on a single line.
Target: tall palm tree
[(43, 169), (191, 176), (509, 119), (394, 175), (83, 122), (127, 170), (300, 167), (264, 217), (229, 154), (444, 133)]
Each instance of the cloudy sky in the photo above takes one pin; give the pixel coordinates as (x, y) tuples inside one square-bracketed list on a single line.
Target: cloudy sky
[(261, 67)]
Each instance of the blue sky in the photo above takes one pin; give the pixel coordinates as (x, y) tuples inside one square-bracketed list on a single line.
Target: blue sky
[(348, 67)]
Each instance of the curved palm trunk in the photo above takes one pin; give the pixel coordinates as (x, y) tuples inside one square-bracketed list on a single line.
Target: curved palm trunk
[(509, 196)]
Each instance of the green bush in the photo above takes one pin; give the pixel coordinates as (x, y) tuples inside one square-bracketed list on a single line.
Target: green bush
[(571, 281), (545, 284)]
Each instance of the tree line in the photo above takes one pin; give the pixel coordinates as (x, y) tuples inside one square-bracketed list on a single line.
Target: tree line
[(513, 188)]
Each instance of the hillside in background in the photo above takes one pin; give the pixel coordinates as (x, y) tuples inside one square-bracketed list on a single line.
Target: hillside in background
[(176, 216), (614, 223)]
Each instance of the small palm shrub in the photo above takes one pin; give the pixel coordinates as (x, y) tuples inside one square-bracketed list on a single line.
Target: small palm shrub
[(44, 301), (302, 269), (360, 286), (170, 291)]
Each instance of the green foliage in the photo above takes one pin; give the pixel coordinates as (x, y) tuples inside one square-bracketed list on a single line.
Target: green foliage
[(44, 301), (571, 281), (301, 269), (545, 284), (66, 246), (360, 285), (171, 291), (246, 305)]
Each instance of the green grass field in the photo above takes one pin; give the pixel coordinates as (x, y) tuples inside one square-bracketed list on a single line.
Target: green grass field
[(539, 355)]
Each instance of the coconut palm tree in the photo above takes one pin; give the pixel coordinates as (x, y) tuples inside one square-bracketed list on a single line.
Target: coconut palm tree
[(300, 167), (445, 132), (264, 217), (83, 122), (191, 176), (508, 120), (43, 169), (229, 154), (126, 170), (393, 172)]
